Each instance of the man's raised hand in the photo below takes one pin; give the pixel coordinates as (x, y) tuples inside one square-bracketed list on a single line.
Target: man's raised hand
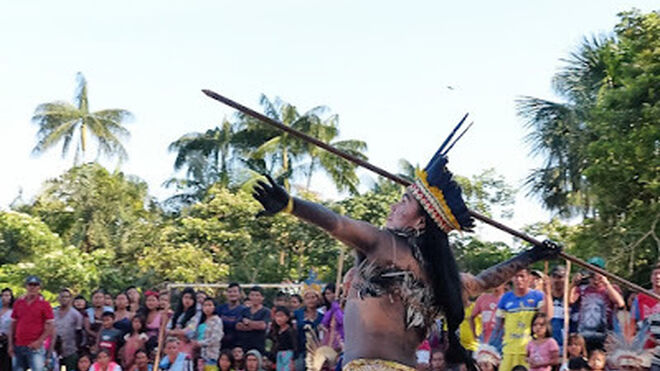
[(273, 197)]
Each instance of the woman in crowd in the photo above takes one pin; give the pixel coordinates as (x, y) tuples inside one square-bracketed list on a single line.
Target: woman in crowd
[(108, 301), (253, 361), (80, 303), (328, 297), (5, 326), (134, 341), (104, 362), (184, 322), (84, 362), (122, 315), (226, 361), (152, 317), (307, 318), (209, 335), (133, 299)]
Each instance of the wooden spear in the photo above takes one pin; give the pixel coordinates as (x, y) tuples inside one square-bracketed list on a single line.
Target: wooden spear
[(267, 120)]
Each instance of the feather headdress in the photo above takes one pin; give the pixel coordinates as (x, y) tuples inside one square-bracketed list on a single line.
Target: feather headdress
[(439, 194)]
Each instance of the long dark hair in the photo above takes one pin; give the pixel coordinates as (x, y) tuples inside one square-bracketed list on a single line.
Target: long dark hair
[(11, 294), (442, 271), (202, 319), (189, 313)]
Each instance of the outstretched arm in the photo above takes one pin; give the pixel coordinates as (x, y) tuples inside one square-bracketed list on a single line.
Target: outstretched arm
[(360, 235), (501, 273)]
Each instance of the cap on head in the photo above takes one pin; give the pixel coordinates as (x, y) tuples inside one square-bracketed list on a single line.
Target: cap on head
[(31, 280), (597, 261)]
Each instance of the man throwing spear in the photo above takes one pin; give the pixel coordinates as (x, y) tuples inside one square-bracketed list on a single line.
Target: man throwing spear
[(406, 274)]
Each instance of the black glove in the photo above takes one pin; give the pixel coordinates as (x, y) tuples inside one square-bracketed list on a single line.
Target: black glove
[(546, 250), (273, 197)]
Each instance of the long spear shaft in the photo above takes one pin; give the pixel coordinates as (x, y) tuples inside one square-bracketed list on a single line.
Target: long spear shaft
[(405, 182)]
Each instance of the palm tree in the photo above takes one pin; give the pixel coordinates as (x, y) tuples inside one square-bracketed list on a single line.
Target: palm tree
[(559, 131), (61, 121), (342, 172), (270, 150), (205, 153)]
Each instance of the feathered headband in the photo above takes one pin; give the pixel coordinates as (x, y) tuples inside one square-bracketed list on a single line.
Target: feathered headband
[(439, 194)]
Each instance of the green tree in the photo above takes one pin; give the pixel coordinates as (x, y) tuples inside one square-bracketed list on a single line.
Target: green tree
[(342, 172), (59, 122), (207, 158), (615, 146)]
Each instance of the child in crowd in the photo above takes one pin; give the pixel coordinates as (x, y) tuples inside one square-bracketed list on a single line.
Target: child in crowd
[(141, 361), (487, 357), (576, 348), (174, 359), (209, 335), (226, 361), (134, 341), (104, 362), (578, 364), (84, 362), (597, 360), (239, 361), (109, 336), (438, 360), (284, 339), (543, 350)]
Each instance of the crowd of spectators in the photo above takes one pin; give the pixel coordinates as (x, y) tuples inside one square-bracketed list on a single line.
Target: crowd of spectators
[(195, 332), (521, 326), (518, 326)]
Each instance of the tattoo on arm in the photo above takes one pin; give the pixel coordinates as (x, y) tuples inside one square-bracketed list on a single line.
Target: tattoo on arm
[(501, 273)]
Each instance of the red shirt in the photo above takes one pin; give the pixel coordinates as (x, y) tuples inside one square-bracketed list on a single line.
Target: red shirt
[(30, 319)]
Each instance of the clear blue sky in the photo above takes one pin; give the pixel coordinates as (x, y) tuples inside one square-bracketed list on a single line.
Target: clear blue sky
[(383, 66)]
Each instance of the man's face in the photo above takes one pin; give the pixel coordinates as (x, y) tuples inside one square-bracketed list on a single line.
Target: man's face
[(557, 282), (256, 298), (233, 294), (405, 214), (251, 363), (521, 281), (655, 278), (65, 299), (200, 297), (33, 288)]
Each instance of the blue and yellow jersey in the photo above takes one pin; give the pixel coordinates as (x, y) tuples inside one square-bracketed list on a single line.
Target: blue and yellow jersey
[(517, 313)]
